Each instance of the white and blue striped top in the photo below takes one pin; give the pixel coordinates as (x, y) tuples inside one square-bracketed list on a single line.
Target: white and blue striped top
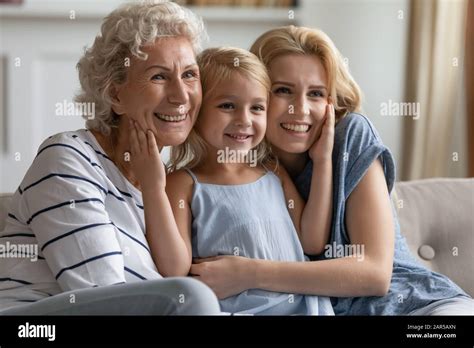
[(85, 217)]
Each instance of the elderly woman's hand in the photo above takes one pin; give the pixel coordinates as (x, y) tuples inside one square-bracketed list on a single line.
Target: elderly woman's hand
[(225, 275), (146, 159)]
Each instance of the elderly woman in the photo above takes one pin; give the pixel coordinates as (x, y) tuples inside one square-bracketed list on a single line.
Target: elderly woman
[(82, 201)]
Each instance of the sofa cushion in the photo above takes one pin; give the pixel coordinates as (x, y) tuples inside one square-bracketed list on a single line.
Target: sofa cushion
[(437, 218)]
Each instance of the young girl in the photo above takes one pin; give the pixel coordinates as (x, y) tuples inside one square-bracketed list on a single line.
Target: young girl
[(225, 203)]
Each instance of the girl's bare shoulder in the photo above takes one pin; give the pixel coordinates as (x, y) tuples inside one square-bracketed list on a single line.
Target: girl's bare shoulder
[(179, 181)]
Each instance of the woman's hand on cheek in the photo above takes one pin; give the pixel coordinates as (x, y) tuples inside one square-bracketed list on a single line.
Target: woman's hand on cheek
[(225, 275), (322, 148), (146, 159)]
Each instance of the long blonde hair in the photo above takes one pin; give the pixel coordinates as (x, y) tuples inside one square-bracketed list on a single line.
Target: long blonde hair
[(346, 94), (217, 65)]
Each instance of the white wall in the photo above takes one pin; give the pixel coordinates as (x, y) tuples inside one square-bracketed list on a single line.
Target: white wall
[(49, 45), (44, 75)]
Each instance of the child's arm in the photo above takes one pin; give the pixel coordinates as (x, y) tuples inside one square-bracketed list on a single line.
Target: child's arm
[(168, 249), (317, 215)]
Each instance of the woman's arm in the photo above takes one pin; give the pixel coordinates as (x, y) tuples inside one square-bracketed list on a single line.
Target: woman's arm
[(168, 249), (179, 189), (313, 219), (294, 203), (317, 215), (311, 231), (369, 222), (63, 203)]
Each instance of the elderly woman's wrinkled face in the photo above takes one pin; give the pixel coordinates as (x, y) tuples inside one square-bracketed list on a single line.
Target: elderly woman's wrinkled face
[(162, 93)]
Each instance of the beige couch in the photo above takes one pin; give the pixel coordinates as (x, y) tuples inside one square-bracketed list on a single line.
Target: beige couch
[(437, 218)]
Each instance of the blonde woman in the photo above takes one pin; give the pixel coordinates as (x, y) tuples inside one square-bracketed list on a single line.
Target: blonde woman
[(81, 201), (375, 273), (226, 205)]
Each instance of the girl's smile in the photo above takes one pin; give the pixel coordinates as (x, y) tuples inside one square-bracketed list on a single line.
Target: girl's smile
[(234, 116), (239, 137)]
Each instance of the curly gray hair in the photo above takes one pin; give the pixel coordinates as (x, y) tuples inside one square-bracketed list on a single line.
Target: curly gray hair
[(123, 33)]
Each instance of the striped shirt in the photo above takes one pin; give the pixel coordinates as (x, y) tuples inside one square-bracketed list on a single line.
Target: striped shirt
[(85, 218)]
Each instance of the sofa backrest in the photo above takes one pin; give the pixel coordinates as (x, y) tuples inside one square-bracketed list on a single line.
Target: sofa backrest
[(437, 218)]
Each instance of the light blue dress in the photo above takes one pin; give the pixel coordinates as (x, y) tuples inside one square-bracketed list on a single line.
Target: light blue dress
[(251, 220)]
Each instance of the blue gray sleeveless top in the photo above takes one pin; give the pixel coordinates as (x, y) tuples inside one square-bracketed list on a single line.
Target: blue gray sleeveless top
[(251, 220), (356, 145)]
